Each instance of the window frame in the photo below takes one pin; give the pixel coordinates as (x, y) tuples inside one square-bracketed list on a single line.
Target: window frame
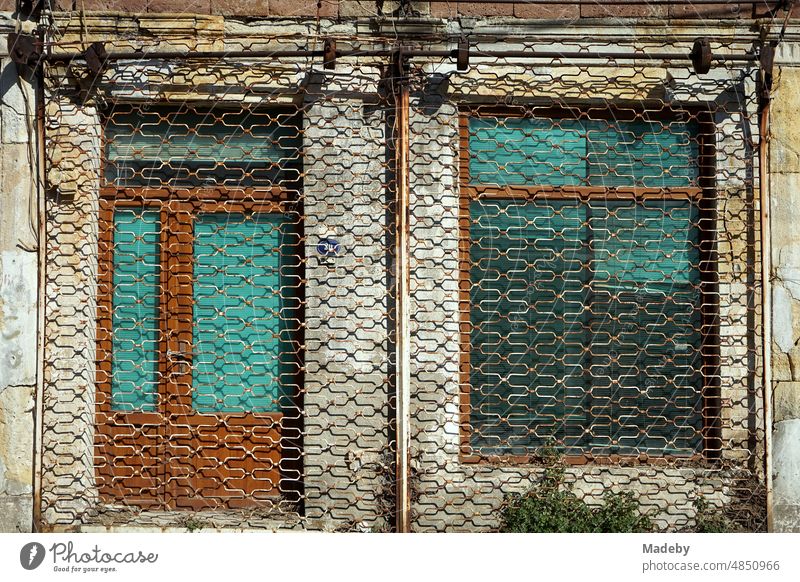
[(173, 407), (703, 195)]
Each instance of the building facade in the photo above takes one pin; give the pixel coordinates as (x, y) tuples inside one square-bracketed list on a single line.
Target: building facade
[(356, 266)]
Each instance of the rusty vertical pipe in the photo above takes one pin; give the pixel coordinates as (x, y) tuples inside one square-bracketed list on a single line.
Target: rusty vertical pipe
[(39, 180), (767, 59), (403, 303), (766, 302)]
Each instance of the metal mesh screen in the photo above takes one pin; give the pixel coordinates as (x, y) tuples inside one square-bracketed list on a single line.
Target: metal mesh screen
[(600, 239), (220, 315), (224, 358)]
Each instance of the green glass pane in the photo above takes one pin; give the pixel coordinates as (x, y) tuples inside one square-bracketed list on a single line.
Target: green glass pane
[(640, 153), (527, 305), (513, 150), (646, 321), (653, 244), (568, 152), (246, 300), (585, 327), (135, 317), (201, 147)]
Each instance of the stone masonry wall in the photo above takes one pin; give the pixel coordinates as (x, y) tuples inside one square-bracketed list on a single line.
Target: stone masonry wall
[(785, 215), (348, 357), (346, 408), (436, 9), (18, 293), (73, 157)]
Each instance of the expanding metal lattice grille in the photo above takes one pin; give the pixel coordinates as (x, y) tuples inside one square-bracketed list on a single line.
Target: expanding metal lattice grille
[(586, 280), (220, 316)]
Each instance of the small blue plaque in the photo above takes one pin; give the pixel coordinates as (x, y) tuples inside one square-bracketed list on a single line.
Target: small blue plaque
[(328, 247)]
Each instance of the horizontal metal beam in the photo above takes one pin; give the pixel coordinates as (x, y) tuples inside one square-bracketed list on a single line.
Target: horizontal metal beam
[(776, 4), (523, 54)]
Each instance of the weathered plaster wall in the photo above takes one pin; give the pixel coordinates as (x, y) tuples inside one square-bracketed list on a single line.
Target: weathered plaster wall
[(73, 157), (785, 216), (18, 294), (346, 409)]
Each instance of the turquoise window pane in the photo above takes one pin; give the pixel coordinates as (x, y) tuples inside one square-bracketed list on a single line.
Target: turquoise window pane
[(527, 304), (568, 152), (645, 330), (246, 294), (509, 150), (585, 327), (183, 147), (652, 244), (135, 317), (640, 153)]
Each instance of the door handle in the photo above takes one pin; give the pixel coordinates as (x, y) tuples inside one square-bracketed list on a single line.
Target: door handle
[(181, 356)]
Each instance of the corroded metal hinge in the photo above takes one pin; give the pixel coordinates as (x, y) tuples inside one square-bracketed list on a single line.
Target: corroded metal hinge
[(766, 62), (701, 56), (24, 49)]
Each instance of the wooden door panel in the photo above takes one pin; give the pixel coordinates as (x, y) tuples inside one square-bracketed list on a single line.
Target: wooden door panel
[(130, 467), (227, 346), (130, 437), (219, 459)]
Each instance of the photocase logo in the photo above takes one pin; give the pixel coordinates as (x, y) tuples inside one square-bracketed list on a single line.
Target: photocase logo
[(31, 555)]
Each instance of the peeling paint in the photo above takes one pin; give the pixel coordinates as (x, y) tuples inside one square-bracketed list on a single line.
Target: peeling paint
[(782, 332), (17, 318)]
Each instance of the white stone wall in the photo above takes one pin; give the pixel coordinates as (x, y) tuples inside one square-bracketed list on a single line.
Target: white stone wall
[(346, 393), (72, 150), (19, 198), (785, 215)]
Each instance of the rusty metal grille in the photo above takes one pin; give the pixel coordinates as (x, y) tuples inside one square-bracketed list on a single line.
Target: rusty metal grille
[(219, 281), (599, 241), (221, 330)]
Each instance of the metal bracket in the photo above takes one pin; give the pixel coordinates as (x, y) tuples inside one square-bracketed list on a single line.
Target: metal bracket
[(462, 55), (24, 49), (701, 56), (766, 63), (96, 56), (329, 54), (400, 65)]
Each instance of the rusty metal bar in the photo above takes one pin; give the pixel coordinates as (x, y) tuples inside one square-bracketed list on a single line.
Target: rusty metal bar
[(595, 3), (767, 63), (38, 421), (188, 55), (403, 300)]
